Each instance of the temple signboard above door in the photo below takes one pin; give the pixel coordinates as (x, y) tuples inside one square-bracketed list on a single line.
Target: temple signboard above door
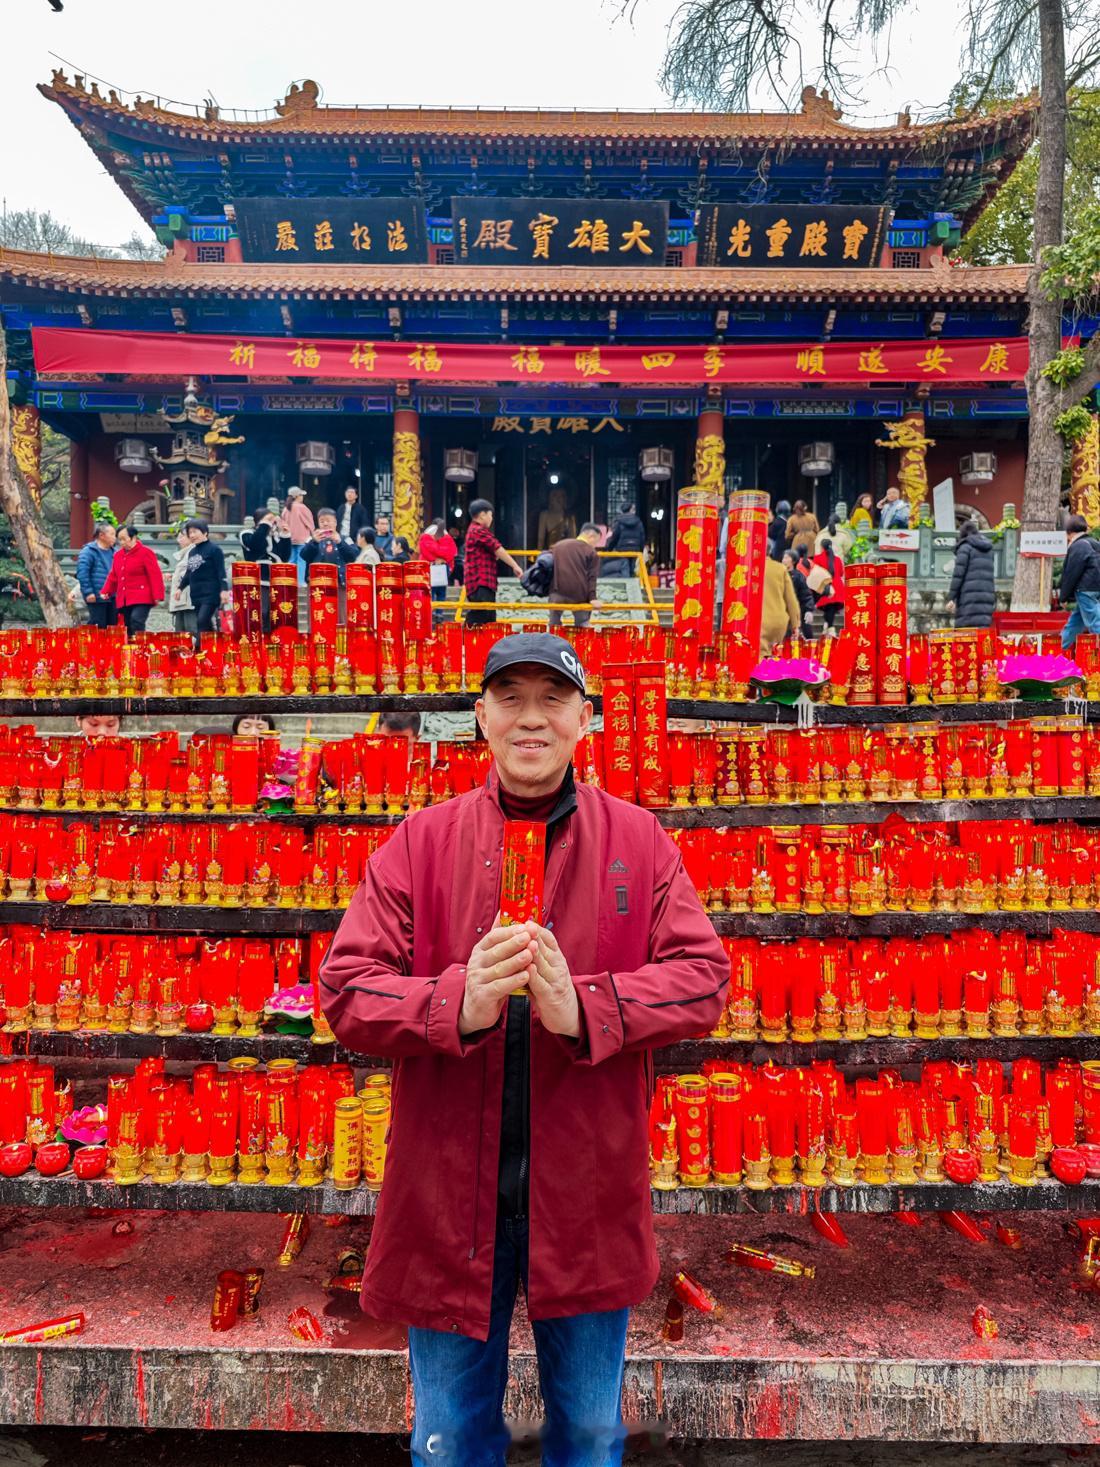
[(599, 232), (333, 231), (790, 236)]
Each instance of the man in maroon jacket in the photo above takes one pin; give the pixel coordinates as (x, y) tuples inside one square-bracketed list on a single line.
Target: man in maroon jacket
[(518, 1148)]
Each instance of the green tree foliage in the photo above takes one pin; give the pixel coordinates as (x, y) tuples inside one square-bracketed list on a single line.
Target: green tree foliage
[(1004, 235)]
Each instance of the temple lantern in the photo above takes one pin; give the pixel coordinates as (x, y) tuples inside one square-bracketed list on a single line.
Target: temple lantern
[(315, 458), (815, 460), (655, 465), (460, 465), (133, 456), (978, 468)]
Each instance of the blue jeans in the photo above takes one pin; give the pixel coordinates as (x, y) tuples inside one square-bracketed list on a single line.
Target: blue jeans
[(296, 559), (458, 1383), (1085, 617)]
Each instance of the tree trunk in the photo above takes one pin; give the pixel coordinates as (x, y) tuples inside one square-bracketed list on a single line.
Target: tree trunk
[(31, 539), (1043, 484)]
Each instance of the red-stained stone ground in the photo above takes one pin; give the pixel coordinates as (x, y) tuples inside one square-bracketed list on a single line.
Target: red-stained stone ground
[(899, 1300)]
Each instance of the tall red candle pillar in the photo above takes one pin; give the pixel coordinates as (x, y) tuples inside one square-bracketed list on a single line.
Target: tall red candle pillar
[(746, 556), (696, 559)]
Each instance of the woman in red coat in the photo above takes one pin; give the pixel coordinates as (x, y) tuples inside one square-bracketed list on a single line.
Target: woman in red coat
[(439, 550), (135, 580), (831, 597)]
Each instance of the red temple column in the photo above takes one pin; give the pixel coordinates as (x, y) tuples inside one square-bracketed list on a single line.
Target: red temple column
[(710, 452), (408, 483), (80, 508)]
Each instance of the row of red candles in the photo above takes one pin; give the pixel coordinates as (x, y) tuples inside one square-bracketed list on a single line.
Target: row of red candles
[(766, 1126), (971, 983), (283, 1125), (234, 864), (139, 983), (734, 765), (1009, 865), (996, 865), (943, 667)]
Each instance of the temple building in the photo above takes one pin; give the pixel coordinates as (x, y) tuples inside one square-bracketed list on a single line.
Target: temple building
[(563, 312)]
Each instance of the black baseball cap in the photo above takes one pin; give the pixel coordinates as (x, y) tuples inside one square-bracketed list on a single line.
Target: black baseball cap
[(541, 648)]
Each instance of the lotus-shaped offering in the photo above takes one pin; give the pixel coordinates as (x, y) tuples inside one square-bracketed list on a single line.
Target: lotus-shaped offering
[(785, 679), (1038, 675)]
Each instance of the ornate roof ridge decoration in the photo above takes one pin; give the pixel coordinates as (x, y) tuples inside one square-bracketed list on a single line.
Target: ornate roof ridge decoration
[(300, 114), (173, 277)]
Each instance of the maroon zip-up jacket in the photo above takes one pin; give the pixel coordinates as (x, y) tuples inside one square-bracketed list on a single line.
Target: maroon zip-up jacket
[(648, 969)]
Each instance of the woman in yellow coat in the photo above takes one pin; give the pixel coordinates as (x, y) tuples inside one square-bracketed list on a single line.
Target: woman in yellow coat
[(782, 616)]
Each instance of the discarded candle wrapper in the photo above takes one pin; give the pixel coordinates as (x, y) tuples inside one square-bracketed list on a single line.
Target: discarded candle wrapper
[(1008, 1237), (350, 1260), (49, 1329), (690, 1291), (983, 1324), (250, 1293), (304, 1325), (297, 1231), (228, 1294), (963, 1224), (344, 1283), (747, 1257)]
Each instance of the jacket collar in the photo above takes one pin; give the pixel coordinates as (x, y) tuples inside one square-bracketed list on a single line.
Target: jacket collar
[(567, 797)]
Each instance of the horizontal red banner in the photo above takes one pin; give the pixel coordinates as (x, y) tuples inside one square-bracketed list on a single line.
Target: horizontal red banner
[(148, 354)]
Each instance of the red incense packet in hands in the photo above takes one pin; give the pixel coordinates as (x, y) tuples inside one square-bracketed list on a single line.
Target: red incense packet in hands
[(522, 875)]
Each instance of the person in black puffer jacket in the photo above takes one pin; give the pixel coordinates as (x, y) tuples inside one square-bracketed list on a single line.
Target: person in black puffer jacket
[(1080, 581), (627, 535), (973, 596), (204, 576)]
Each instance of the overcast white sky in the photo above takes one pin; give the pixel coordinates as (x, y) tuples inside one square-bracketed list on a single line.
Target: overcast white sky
[(245, 52)]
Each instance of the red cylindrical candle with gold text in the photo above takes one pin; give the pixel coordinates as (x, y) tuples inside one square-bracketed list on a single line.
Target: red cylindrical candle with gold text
[(696, 559), (746, 557)]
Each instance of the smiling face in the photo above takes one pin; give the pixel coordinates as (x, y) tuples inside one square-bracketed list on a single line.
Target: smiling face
[(532, 718)]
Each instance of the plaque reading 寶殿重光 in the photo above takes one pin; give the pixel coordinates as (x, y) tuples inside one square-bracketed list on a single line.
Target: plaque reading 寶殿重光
[(794, 236)]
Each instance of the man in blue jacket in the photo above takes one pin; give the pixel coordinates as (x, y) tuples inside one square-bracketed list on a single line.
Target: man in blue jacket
[(93, 566)]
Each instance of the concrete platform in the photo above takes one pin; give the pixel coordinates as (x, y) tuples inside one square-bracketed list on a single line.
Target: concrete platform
[(879, 1346)]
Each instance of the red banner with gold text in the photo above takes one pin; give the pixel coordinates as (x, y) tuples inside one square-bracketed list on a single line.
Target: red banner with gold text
[(62, 350)]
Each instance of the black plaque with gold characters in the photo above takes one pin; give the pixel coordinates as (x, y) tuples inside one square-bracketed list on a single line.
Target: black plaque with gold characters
[(601, 232), (333, 231), (791, 236)]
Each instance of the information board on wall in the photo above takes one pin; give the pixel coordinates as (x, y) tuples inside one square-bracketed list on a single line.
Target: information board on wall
[(604, 232), (333, 231), (790, 236)]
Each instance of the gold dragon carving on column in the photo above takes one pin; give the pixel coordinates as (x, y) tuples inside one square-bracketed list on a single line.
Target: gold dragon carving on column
[(908, 437), (1084, 475), (408, 486)]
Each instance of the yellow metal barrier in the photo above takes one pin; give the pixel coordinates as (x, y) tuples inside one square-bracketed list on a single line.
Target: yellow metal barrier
[(522, 609)]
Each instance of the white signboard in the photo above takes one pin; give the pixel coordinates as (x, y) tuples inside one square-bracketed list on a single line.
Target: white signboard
[(1035, 544), (899, 540), (943, 504), (134, 423)]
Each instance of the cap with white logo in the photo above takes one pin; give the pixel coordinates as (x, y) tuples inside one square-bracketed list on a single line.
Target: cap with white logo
[(541, 648)]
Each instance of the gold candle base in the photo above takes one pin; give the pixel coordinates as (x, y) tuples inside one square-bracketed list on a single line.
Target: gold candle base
[(17, 1020), (875, 1170), (222, 1169), (248, 1021), (225, 1020), (45, 1016), (842, 1169), (165, 1168), (142, 1017), (903, 1164), (95, 1014), (169, 1016), (194, 1167), (782, 1170), (280, 1171), (812, 1171), (312, 1174), (1021, 1170), (250, 1171), (322, 1030), (756, 1174), (126, 1166), (951, 1023)]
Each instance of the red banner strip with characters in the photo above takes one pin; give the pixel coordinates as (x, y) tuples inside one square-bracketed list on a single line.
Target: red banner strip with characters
[(60, 351)]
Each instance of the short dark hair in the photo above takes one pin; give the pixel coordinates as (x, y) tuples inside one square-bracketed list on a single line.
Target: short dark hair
[(1077, 524), (366, 533), (588, 528), (479, 506), (399, 723), (197, 525), (968, 527), (240, 718), (331, 512)]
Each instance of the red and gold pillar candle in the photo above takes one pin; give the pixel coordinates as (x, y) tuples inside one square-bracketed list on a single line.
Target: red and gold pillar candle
[(359, 590), (283, 600), (726, 1091), (416, 579), (967, 666), (746, 557), (861, 625), (324, 602), (1044, 756), (696, 559), (652, 734), (247, 603), (892, 617), (727, 784), (620, 750), (692, 1114), (389, 594), (942, 667), (1071, 756)]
